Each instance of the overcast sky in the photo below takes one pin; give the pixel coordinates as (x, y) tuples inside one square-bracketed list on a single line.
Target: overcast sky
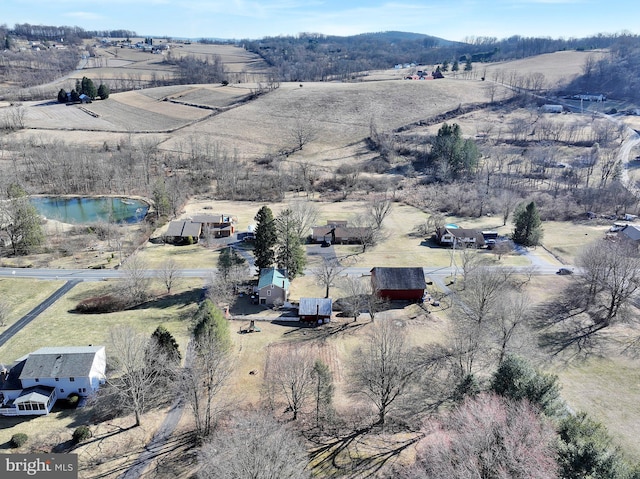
[(235, 19)]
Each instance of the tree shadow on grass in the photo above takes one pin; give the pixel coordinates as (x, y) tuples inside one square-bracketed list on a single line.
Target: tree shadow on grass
[(361, 452), (567, 327), (182, 299)]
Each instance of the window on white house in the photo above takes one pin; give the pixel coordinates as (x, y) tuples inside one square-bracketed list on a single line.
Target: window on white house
[(268, 292), (57, 379), (72, 379), (61, 390)]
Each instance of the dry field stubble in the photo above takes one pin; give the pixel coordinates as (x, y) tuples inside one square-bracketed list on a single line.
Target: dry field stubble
[(340, 113), (559, 68)]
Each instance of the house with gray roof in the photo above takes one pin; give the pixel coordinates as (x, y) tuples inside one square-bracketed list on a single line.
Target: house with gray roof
[(315, 310), (36, 381)]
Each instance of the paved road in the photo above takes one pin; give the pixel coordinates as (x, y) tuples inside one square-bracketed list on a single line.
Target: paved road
[(35, 312)]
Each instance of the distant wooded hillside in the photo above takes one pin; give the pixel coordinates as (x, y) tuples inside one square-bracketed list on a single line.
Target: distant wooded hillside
[(316, 57)]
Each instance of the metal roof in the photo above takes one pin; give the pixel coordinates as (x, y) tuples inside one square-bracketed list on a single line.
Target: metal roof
[(398, 278), (311, 306), (273, 276)]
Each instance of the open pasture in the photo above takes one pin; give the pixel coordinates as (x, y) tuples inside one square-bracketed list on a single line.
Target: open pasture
[(340, 114)]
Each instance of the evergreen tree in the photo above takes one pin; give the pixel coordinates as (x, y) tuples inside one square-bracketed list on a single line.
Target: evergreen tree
[(265, 238), (161, 199), (88, 88), (528, 226), (516, 379), (455, 67), (75, 96), (289, 252), (585, 450), (445, 66), (167, 344), (468, 66), (210, 323), (456, 155), (323, 390), (228, 260), (62, 96), (103, 91)]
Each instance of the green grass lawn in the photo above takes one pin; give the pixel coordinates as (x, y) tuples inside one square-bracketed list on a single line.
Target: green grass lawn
[(59, 326), (21, 295)]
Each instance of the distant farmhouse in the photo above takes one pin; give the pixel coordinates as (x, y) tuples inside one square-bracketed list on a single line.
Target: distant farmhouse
[(35, 382), (449, 236), (190, 230), (338, 232)]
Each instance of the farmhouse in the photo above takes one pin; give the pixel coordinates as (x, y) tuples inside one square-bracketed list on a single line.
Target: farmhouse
[(630, 233), (182, 232), (399, 284), (218, 226), (315, 310), (337, 232), (273, 286), (448, 236), (35, 382)]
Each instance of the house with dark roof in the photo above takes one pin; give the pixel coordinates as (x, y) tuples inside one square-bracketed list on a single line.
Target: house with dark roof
[(399, 284), (273, 286), (470, 238), (315, 310), (182, 232), (338, 232), (218, 226), (35, 382), (630, 233)]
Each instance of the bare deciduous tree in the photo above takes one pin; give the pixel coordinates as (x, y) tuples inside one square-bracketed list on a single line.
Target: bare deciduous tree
[(488, 436), (208, 366), (327, 272), (169, 274), (356, 289), (141, 374), (135, 284), (304, 215), (381, 369), (378, 209), (256, 446), (290, 374)]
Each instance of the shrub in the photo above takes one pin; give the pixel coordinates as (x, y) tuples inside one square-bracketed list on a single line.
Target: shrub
[(73, 399), (101, 304), (19, 440), (81, 433)]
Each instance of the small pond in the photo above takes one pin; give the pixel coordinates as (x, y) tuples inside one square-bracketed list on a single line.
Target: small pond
[(78, 210)]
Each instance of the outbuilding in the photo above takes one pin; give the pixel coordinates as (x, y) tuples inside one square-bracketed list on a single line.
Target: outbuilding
[(399, 284)]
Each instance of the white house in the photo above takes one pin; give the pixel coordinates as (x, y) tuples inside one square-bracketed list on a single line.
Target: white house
[(36, 381)]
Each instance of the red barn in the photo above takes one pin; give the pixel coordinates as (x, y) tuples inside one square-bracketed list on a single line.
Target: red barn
[(406, 284)]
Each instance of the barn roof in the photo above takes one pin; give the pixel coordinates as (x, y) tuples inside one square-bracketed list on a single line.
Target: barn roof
[(311, 306), (398, 278), (632, 232)]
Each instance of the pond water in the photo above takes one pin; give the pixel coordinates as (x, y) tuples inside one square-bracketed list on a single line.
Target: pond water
[(90, 210)]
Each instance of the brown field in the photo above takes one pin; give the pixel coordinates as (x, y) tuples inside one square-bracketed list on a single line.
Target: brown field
[(605, 386), (559, 68)]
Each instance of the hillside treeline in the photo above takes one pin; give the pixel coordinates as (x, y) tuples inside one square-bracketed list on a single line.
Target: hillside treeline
[(66, 34), (316, 57), (616, 75), (35, 67)]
